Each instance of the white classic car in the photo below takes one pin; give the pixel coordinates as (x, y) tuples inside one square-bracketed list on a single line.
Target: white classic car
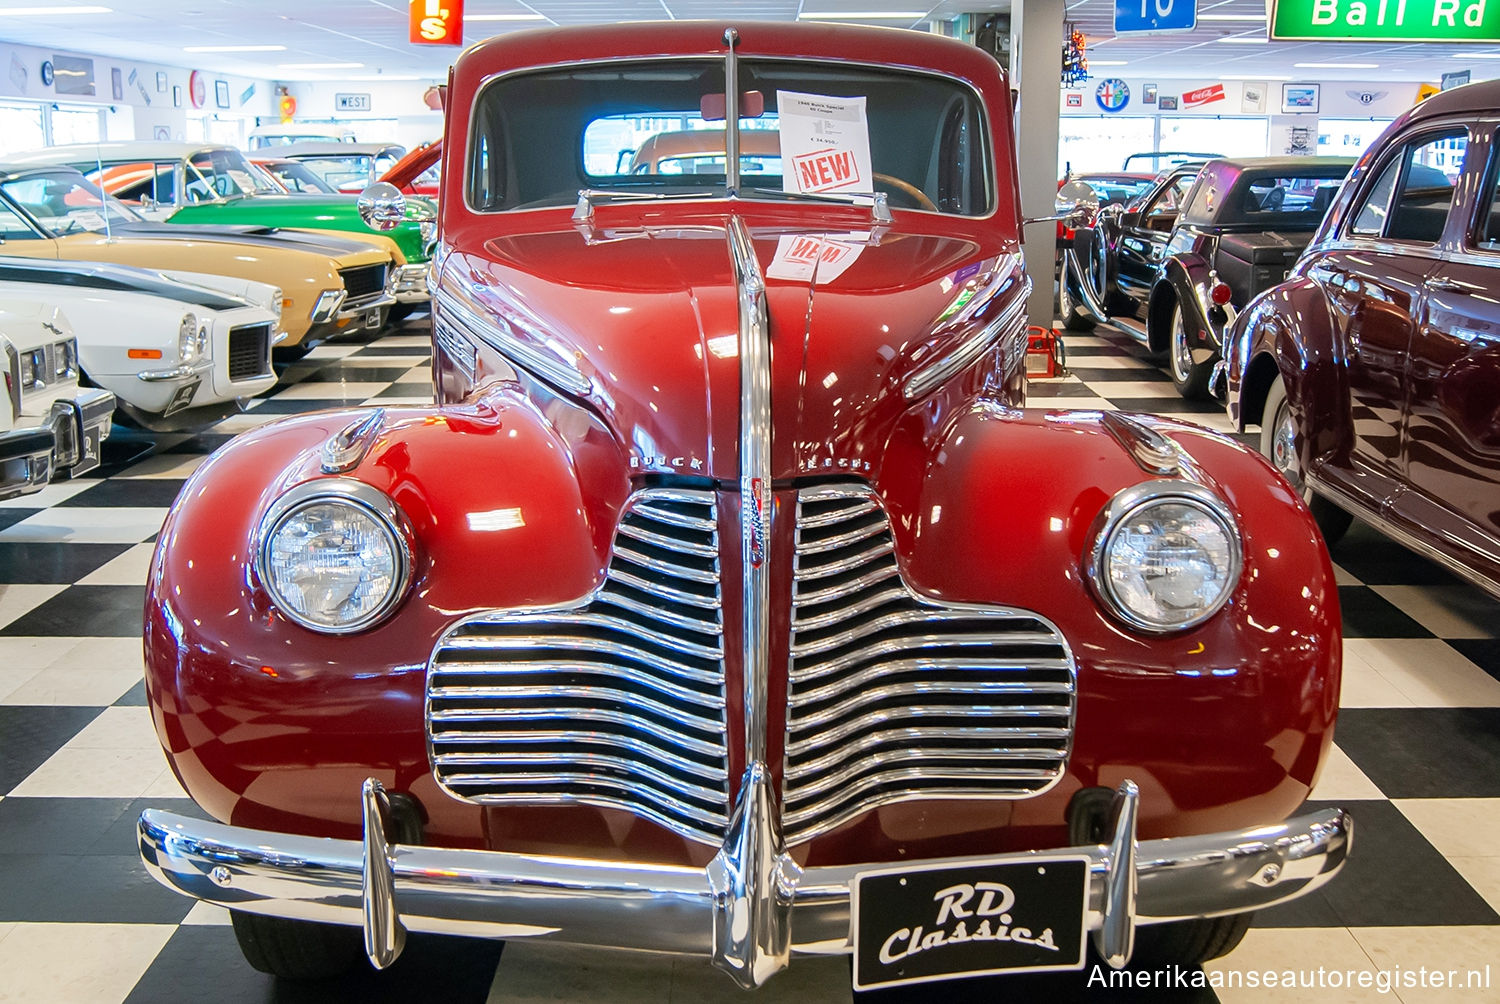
[(178, 349), (50, 427)]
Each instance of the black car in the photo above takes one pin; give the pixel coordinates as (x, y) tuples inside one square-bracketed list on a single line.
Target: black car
[(1172, 268)]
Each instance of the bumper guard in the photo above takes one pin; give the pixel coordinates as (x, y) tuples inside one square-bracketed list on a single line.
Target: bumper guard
[(388, 889)]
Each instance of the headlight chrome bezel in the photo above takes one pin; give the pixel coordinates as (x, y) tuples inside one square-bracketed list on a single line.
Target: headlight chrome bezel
[(355, 494), (1126, 504)]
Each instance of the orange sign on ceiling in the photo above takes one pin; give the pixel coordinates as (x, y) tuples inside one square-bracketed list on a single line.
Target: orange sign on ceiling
[(437, 22)]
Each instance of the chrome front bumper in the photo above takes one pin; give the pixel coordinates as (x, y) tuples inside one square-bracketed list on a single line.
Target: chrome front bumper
[(411, 283), (389, 889)]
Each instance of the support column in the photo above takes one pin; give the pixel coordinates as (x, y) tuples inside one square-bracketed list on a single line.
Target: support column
[(1036, 33)]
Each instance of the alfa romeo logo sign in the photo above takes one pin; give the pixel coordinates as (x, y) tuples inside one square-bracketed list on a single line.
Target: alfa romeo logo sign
[(1113, 94)]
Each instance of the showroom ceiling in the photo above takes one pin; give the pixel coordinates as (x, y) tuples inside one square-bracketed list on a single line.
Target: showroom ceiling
[(373, 33)]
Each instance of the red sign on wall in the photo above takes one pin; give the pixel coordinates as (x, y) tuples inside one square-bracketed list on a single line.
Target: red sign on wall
[(1203, 96), (437, 22)]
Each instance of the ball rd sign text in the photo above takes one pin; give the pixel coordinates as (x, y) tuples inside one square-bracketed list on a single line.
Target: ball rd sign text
[(1387, 20), (437, 22)]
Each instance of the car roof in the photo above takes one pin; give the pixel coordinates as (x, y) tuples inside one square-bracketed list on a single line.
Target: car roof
[(292, 151), (1291, 164), (10, 170), (143, 149), (1472, 99)]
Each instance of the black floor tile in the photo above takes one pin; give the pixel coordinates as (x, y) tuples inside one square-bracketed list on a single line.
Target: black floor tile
[(395, 350), (204, 964), (277, 406), (206, 442), (135, 697), (53, 562), (85, 889), (121, 449), (1367, 614), (1083, 352), (121, 835), (1482, 652), (29, 735), (57, 825), (10, 517), (1376, 560), (358, 374), (85, 611), (1063, 388), (406, 390), (117, 492), (1145, 371), (1425, 752), (1392, 878), (1169, 404)]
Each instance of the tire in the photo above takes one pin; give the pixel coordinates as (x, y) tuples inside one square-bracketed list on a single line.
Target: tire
[(297, 949), (1073, 318), (1190, 378), (1188, 942), (1278, 444), (1088, 248)]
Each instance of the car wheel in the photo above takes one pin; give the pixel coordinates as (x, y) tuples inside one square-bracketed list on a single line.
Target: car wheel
[(1190, 378), (297, 949), (1188, 942), (1278, 443), (1073, 318)]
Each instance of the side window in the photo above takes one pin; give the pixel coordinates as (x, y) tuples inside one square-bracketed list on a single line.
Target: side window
[(1488, 238), (1410, 200), (13, 228), (1161, 212)]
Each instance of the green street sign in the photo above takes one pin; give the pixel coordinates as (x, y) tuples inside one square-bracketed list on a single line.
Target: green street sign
[(1386, 20)]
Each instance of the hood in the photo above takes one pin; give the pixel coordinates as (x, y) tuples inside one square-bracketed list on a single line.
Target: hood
[(249, 233), (121, 278), (649, 317)]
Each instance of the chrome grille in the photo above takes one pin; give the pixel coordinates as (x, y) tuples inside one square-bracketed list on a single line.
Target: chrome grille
[(618, 701), (249, 351), (893, 696), (363, 282)]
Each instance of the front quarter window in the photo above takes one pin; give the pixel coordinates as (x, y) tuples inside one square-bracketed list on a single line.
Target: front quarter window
[(657, 128), (1411, 198)]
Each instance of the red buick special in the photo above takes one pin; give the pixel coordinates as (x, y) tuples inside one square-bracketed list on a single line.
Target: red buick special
[(728, 602)]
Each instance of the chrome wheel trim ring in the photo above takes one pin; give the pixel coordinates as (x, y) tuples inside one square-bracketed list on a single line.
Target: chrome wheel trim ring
[(1284, 446), (1182, 355)]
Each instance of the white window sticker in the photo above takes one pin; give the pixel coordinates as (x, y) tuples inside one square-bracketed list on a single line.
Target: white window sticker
[(800, 257), (89, 219), (825, 143)]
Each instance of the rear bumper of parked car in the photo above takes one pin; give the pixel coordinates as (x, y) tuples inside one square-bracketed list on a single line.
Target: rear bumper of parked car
[(25, 461), (388, 889), (411, 283), (78, 423)]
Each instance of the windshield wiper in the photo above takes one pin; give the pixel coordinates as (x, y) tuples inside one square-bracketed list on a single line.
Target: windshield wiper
[(880, 208), (584, 211)]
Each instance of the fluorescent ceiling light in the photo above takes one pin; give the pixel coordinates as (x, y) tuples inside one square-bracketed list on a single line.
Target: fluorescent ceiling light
[(1478, 55), (505, 17), (234, 48), (1337, 66), (1109, 62), (1232, 17), (49, 11), (386, 76), (861, 15), (1244, 40), (319, 66), (1251, 76)]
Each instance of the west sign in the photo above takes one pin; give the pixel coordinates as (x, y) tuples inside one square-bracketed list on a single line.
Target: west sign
[(1386, 20)]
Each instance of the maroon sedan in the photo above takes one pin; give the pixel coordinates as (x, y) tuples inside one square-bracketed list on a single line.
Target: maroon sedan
[(1374, 370)]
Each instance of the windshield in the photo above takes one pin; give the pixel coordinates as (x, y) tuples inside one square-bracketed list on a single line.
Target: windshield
[(658, 128), (298, 177), (1290, 200), (65, 203), (351, 173), (221, 174)]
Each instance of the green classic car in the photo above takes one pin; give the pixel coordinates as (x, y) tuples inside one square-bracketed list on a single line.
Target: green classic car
[(201, 183)]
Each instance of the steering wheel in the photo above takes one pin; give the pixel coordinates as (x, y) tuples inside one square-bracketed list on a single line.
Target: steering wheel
[(909, 190)]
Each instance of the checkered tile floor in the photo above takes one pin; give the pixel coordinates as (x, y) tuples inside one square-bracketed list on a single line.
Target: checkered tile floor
[(1418, 759)]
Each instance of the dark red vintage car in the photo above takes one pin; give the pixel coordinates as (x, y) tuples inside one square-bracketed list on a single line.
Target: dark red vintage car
[(728, 602), (418, 173), (1374, 370)]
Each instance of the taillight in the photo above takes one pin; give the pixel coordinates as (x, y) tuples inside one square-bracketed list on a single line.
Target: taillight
[(1220, 293)]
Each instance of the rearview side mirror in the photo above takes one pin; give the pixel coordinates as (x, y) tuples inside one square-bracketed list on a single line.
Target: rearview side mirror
[(382, 206)]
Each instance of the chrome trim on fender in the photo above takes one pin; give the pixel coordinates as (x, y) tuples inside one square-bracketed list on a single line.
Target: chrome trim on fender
[(668, 908), (346, 449), (449, 298), (1152, 452), (1131, 500), (1011, 322)]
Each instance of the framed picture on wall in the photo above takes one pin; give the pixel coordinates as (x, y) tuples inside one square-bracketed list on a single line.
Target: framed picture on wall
[(116, 84), (1299, 99), (1148, 94), (177, 96), (1167, 103), (221, 93), (161, 82)]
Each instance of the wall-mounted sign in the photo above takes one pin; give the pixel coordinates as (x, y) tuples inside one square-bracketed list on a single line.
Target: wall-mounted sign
[(351, 102), (1366, 98), (46, 73), (1203, 96), (1075, 100), (73, 75), (1298, 99), (1167, 103), (1148, 94), (437, 22), (1456, 79), (1151, 17), (221, 93), (1112, 94), (1385, 20), (197, 89)]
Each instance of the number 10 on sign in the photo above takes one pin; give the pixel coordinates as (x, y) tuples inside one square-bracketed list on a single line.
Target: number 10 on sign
[(1154, 16)]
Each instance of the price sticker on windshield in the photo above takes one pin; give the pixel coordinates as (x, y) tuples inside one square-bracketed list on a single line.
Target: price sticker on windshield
[(88, 219), (825, 143)]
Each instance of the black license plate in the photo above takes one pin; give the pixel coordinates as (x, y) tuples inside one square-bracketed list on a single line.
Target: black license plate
[(372, 320), (919, 925), (182, 398), (90, 451)]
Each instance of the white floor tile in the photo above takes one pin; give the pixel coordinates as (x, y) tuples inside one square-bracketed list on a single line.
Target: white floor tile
[(117, 729), (1276, 950), (1484, 875), (1068, 403), (1428, 672), (1458, 827), (165, 786), (1136, 388), (1344, 577), (94, 773), (1456, 611), (12, 678), (333, 391), (1363, 687), (1147, 371), (1341, 779), (327, 351), (377, 362), (16, 600), (57, 491), (404, 342), (534, 972), (101, 525), (5, 928), (165, 465), (398, 402), (84, 963), (206, 915), (128, 569), (1452, 951), (32, 653), (83, 687), (246, 422)]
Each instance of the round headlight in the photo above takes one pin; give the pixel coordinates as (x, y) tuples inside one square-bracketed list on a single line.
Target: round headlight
[(332, 557), (187, 338), (1167, 557)]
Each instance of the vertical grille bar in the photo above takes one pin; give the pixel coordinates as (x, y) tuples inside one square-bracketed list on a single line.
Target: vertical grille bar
[(893, 696)]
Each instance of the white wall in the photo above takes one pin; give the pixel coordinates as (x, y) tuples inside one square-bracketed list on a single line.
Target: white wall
[(397, 112)]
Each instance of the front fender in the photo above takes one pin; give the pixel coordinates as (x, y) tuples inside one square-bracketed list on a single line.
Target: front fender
[(1225, 722), (1184, 282), (248, 704)]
